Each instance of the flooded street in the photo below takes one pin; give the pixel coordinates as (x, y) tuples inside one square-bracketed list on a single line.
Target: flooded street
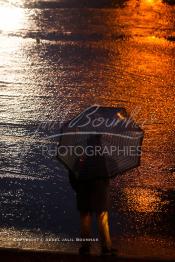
[(56, 59)]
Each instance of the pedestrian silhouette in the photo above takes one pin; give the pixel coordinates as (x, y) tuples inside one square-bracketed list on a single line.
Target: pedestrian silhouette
[(92, 196)]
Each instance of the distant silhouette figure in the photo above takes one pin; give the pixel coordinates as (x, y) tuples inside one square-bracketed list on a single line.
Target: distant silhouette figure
[(92, 196)]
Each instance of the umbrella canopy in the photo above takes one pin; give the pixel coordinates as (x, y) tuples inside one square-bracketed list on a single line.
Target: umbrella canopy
[(100, 142)]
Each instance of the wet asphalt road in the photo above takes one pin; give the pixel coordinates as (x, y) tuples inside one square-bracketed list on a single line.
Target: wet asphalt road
[(57, 58)]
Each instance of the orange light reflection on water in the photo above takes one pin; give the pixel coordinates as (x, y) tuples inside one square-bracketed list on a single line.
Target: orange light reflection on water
[(151, 2), (143, 200)]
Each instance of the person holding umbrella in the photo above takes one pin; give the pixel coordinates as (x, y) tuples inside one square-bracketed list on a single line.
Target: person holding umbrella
[(93, 197), (106, 128)]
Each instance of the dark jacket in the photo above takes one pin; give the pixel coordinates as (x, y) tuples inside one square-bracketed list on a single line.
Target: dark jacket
[(92, 194)]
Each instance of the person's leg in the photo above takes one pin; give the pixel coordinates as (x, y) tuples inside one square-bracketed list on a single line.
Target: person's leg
[(85, 227), (103, 228)]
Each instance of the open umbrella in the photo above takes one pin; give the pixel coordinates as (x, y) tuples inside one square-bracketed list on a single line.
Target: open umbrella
[(100, 142)]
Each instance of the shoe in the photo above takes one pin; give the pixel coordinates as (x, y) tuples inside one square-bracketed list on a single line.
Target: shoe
[(109, 252), (84, 250)]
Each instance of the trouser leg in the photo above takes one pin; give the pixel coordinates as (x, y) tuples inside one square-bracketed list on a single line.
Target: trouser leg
[(103, 228), (85, 227)]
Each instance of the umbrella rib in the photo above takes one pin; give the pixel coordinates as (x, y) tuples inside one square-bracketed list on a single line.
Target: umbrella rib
[(95, 133)]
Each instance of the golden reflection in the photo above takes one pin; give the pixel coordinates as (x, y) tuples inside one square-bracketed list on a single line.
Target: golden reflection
[(151, 39), (151, 2), (142, 200), (11, 18)]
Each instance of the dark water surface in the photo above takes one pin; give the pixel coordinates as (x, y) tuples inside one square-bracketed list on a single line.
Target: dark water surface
[(57, 58)]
